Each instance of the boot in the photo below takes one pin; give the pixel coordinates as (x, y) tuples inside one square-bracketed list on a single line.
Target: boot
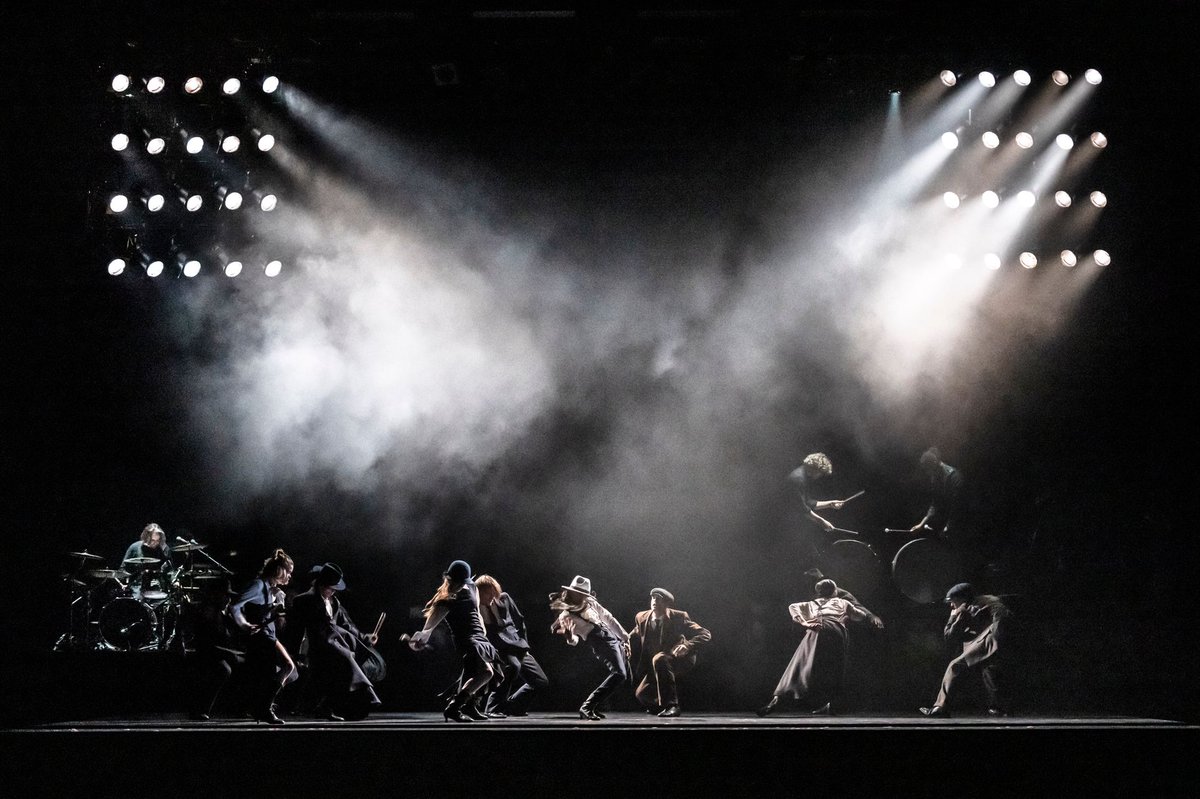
[(766, 709)]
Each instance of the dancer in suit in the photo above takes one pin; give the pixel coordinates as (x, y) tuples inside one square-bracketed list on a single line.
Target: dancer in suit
[(457, 603), (817, 670), (663, 647), (581, 618), (319, 616), (982, 624), (506, 630), (255, 612)]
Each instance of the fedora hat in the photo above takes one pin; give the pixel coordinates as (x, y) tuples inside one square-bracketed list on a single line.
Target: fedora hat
[(328, 574), (580, 584)]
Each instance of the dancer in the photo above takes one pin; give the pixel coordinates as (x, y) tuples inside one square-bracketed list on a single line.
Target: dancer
[(817, 669), (663, 647), (582, 618), (981, 622), (457, 602), (268, 663), (319, 615), (506, 630)]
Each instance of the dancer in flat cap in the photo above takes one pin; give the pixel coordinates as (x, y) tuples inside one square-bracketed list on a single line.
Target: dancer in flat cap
[(581, 617), (662, 647), (817, 669), (982, 624), (457, 602)]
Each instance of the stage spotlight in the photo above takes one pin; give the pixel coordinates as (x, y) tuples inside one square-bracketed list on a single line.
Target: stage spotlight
[(156, 84), (155, 202), (1028, 260), (120, 83), (193, 85), (949, 140), (1068, 258), (233, 268), (231, 86), (156, 145), (1064, 141), (233, 200), (191, 268), (1024, 140), (991, 261), (194, 202), (1098, 199), (990, 140), (195, 144), (1062, 199), (1093, 77), (1026, 198), (1099, 140), (268, 202), (230, 144), (273, 268), (1022, 77), (120, 142), (990, 199), (116, 266), (948, 78), (1102, 257), (118, 203), (987, 79), (270, 84), (154, 268), (950, 199), (1059, 77), (266, 142)]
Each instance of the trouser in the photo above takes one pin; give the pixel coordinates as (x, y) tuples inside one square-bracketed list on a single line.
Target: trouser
[(522, 676), (610, 652), (658, 686), (992, 682)]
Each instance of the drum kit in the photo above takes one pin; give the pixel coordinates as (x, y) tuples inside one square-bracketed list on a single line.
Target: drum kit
[(141, 606)]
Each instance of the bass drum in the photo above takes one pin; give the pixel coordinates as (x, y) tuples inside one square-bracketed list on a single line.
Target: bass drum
[(855, 566), (127, 624), (924, 569)]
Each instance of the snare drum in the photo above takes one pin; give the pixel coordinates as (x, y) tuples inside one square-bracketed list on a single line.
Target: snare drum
[(128, 624)]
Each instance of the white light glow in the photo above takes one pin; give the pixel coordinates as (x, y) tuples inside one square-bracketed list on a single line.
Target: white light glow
[(948, 78), (120, 83), (116, 266), (194, 202), (1102, 257), (230, 144), (193, 85), (1093, 77), (1028, 260), (154, 268), (156, 84), (1064, 141), (120, 142), (156, 145), (1099, 140), (233, 268), (950, 199), (195, 144), (990, 140), (268, 203), (987, 79), (231, 86), (270, 84), (1098, 199), (155, 202), (118, 203), (949, 140), (1062, 199), (1026, 198), (1022, 77), (990, 199), (991, 261), (1024, 140), (1068, 258), (191, 269), (1059, 77), (273, 268), (266, 142), (233, 200)]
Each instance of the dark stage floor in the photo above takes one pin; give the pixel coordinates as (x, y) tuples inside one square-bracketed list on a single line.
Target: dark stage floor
[(417, 754)]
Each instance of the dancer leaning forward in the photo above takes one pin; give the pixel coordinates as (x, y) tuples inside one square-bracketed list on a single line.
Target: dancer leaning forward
[(582, 618)]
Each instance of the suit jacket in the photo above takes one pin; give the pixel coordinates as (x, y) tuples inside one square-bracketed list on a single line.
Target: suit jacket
[(677, 628), (505, 625), (307, 616), (982, 628)]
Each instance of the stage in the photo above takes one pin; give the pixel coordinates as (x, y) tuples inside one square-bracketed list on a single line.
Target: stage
[(418, 754)]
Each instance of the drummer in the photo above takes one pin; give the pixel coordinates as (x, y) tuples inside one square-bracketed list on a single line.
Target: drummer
[(816, 466), (944, 516), (152, 543)]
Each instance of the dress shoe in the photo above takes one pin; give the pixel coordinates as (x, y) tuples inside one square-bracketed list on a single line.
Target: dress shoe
[(824, 710), (653, 710), (454, 712), (268, 717), (589, 714), (469, 709), (937, 711), (669, 712), (495, 714), (766, 709)]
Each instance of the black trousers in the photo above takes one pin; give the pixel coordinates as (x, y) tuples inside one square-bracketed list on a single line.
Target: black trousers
[(522, 676), (610, 652)]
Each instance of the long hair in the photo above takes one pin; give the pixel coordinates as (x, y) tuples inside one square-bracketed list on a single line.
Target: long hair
[(489, 587), (443, 594), (278, 560), (148, 532)]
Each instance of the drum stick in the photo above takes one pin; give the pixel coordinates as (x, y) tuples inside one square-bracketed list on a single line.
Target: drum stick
[(379, 624), (855, 496)]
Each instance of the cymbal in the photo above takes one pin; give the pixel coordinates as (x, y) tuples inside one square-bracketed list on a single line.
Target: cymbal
[(104, 574), (142, 561), (188, 547), (84, 555)]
